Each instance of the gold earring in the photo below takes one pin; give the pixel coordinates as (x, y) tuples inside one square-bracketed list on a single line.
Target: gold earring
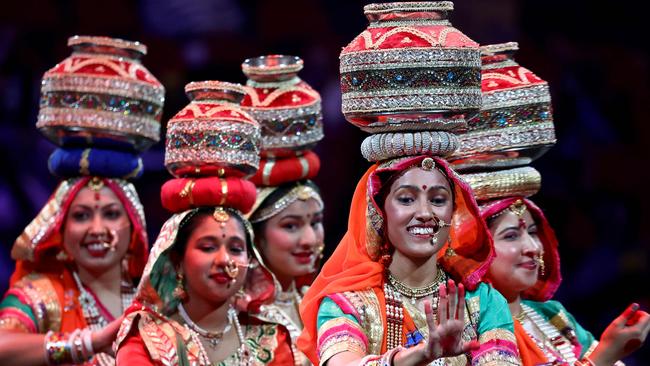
[(62, 256), (179, 290)]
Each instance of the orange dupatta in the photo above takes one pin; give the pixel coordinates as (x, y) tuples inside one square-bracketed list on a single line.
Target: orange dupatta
[(352, 267)]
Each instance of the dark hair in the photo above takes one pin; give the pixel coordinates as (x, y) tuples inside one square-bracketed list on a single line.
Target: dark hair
[(190, 223), (274, 197)]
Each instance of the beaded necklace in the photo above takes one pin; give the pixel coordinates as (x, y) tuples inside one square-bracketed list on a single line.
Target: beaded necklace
[(415, 293), (243, 355), (214, 338), (92, 315), (553, 343)]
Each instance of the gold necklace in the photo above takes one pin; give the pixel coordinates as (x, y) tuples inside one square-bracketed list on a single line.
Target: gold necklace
[(414, 293)]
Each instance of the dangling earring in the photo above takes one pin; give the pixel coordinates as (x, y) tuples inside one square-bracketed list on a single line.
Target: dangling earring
[(62, 256), (540, 260), (179, 290), (434, 240)]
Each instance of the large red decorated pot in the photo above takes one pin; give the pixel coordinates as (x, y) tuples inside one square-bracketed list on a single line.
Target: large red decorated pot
[(212, 136), (410, 70), (515, 125), (101, 95), (287, 108)]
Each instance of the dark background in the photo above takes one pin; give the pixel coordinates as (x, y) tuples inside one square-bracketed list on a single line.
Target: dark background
[(595, 58)]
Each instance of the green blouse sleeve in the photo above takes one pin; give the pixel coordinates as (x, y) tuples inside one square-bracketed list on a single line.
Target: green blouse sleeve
[(329, 310), (490, 315), (494, 312), (16, 315), (338, 331)]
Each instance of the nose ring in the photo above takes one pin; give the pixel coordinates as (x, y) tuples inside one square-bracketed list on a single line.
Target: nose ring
[(232, 270)]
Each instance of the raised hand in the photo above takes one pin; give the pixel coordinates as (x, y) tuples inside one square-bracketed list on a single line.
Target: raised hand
[(623, 335), (445, 335)]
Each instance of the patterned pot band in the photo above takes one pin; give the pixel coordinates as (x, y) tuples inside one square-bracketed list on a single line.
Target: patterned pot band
[(524, 181), (503, 147), (102, 89), (384, 146), (286, 130), (201, 147)]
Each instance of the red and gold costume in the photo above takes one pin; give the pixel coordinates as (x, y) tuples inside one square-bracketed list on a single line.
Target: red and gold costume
[(514, 127), (212, 144), (289, 112), (408, 79), (102, 107)]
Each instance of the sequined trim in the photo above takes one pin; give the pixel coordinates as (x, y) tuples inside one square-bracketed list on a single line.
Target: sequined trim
[(426, 99), (340, 343), (189, 142), (42, 299), (498, 347), (410, 57), (49, 117), (421, 77), (367, 306), (410, 6), (509, 117), (101, 101), (96, 84), (289, 127), (300, 192), (524, 136), (14, 325), (409, 23), (515, 97)]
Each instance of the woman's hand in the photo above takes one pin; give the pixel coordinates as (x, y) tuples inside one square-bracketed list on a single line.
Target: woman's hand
[(624, 335), (445, 335), (103, 339)]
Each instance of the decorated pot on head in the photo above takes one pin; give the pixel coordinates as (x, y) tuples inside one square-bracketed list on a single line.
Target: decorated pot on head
[(212, 136), (410, 70), (515, 124), (101, 96), (286, 107)]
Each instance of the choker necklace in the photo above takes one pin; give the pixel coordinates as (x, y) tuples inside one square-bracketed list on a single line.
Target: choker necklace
[(415, 293), (214, 338), (289, 297)]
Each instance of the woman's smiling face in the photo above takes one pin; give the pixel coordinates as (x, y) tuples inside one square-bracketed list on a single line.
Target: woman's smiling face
[(517, 246), (416, 201)]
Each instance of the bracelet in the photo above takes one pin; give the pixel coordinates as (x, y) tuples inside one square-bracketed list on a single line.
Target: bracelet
[(75, 346), (388, 357), (71, 348), (57, 349), (88, 350)]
